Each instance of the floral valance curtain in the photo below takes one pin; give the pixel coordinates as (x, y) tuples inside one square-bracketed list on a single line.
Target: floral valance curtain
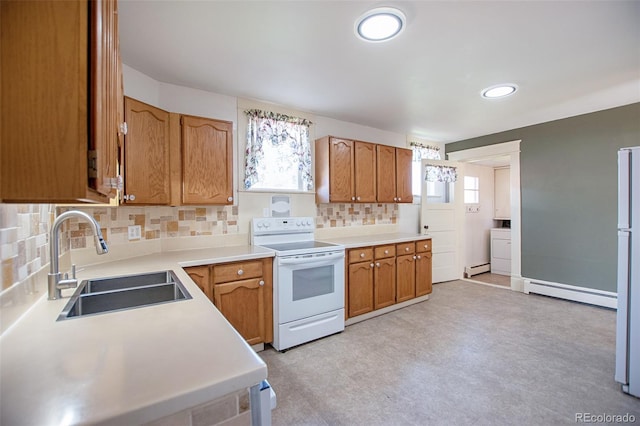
[(424, 152), (440, 174), (291, 136)]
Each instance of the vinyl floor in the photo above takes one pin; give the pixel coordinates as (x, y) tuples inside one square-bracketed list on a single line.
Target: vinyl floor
[(471, 355)]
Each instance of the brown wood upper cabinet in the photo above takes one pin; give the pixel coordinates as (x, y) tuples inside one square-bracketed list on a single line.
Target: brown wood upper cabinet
[(146, 155), (176, 159), (345, 171), (394, 174), (207, 161), (61, 91), (349, 171)]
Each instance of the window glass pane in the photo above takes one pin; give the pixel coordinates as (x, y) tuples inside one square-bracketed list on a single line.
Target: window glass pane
[(439, 192), (471, 182)]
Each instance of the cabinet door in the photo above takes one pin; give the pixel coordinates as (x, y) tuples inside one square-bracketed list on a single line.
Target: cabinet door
[(146, 154), (341, 168), (423, 274), (404, 158), (405, 278), (207, 161), (52, 111), (365, 172), (105, 81), (200, 275), (242, 304), (384, 282), (360, 288), (501, 194), (386, 174)]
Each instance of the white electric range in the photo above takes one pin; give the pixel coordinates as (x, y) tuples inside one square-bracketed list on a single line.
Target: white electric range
[(308, 280)]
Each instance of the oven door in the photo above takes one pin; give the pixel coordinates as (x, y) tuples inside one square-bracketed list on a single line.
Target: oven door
[(309, 284)]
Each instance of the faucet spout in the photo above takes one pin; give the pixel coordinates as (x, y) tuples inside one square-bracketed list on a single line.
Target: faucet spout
[(56, 283)]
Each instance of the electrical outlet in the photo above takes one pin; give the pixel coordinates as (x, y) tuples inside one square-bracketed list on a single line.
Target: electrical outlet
[(135, 232)]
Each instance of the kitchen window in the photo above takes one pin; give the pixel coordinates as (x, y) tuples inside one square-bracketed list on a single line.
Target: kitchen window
[(278, 152), (420, 152), (471, 190)]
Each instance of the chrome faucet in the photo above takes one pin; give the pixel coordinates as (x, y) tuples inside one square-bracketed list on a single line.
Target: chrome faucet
[(56, 280)]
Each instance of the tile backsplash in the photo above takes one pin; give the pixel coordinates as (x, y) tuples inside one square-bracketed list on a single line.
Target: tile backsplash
[(343, 215), (24, 240), (156, 222)]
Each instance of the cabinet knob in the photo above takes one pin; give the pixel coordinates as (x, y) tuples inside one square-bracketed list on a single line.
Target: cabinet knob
[(240, 272), (353, 198), (230, 199), (419, 257), (406, 249), (361, 254), (371, 265), (378, 264), (426, 246), (414, 258), (386, 252), (261, 282), (399, 198), (395, 198), (129, 197)]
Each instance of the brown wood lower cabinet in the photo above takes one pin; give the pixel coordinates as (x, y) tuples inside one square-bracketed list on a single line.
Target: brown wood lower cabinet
[(243, 293), (424, 283), (360, 282), (383, 275)]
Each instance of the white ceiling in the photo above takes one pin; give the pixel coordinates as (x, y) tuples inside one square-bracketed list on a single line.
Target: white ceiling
[(567, 57)]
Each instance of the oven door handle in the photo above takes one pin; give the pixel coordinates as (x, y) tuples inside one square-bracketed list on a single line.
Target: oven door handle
[(310, 260)]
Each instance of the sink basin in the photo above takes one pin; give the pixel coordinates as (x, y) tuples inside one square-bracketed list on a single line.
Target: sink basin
[(97, 296), (98, 285)]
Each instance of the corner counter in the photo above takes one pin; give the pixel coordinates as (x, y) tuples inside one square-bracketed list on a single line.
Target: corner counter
[(127, 367)]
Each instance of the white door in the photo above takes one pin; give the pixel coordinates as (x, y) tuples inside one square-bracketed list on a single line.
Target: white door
[(442, 210)]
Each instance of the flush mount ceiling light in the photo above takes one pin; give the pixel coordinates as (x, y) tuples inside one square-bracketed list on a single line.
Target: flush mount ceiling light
[(499, 91), (380, 24)]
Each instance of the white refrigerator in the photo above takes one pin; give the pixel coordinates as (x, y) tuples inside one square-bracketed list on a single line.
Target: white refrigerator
[(628, 316)]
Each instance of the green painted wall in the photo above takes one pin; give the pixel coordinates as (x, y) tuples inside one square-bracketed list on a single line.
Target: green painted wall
[(568, 174)]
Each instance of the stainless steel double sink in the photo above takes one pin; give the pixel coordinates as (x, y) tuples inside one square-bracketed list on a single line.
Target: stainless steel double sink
[(102, 295)]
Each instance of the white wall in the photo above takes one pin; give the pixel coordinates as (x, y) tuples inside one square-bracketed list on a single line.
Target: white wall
[(478, 225)]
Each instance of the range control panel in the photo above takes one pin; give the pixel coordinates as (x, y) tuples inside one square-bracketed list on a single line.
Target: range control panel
[(282, 225)]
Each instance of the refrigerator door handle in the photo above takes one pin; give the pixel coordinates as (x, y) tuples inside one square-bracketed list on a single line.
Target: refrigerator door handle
[(622, 316)]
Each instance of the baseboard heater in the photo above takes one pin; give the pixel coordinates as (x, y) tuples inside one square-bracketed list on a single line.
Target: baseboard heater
[(470, 271), (591, 296)]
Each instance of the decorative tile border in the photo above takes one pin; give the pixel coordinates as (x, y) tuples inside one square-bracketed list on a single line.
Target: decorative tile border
[(342, 215)]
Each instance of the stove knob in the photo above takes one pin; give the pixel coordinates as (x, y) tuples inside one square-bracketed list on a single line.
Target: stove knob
[(308, 222), (299, 223), (267, 224), (259, 224)]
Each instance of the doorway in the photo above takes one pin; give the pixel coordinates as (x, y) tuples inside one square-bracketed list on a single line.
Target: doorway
[(509, 153)]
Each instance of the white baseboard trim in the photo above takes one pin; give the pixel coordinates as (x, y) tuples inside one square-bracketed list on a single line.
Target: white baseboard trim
[(591, 296)]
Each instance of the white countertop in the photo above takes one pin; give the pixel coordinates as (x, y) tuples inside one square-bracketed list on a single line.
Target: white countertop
[(126, 367), (376, 239)]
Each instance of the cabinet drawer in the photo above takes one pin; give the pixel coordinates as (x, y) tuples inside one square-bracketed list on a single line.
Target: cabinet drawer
[(405, 248), (237, 271), (360, 255), (384, 251), (423, 246)]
